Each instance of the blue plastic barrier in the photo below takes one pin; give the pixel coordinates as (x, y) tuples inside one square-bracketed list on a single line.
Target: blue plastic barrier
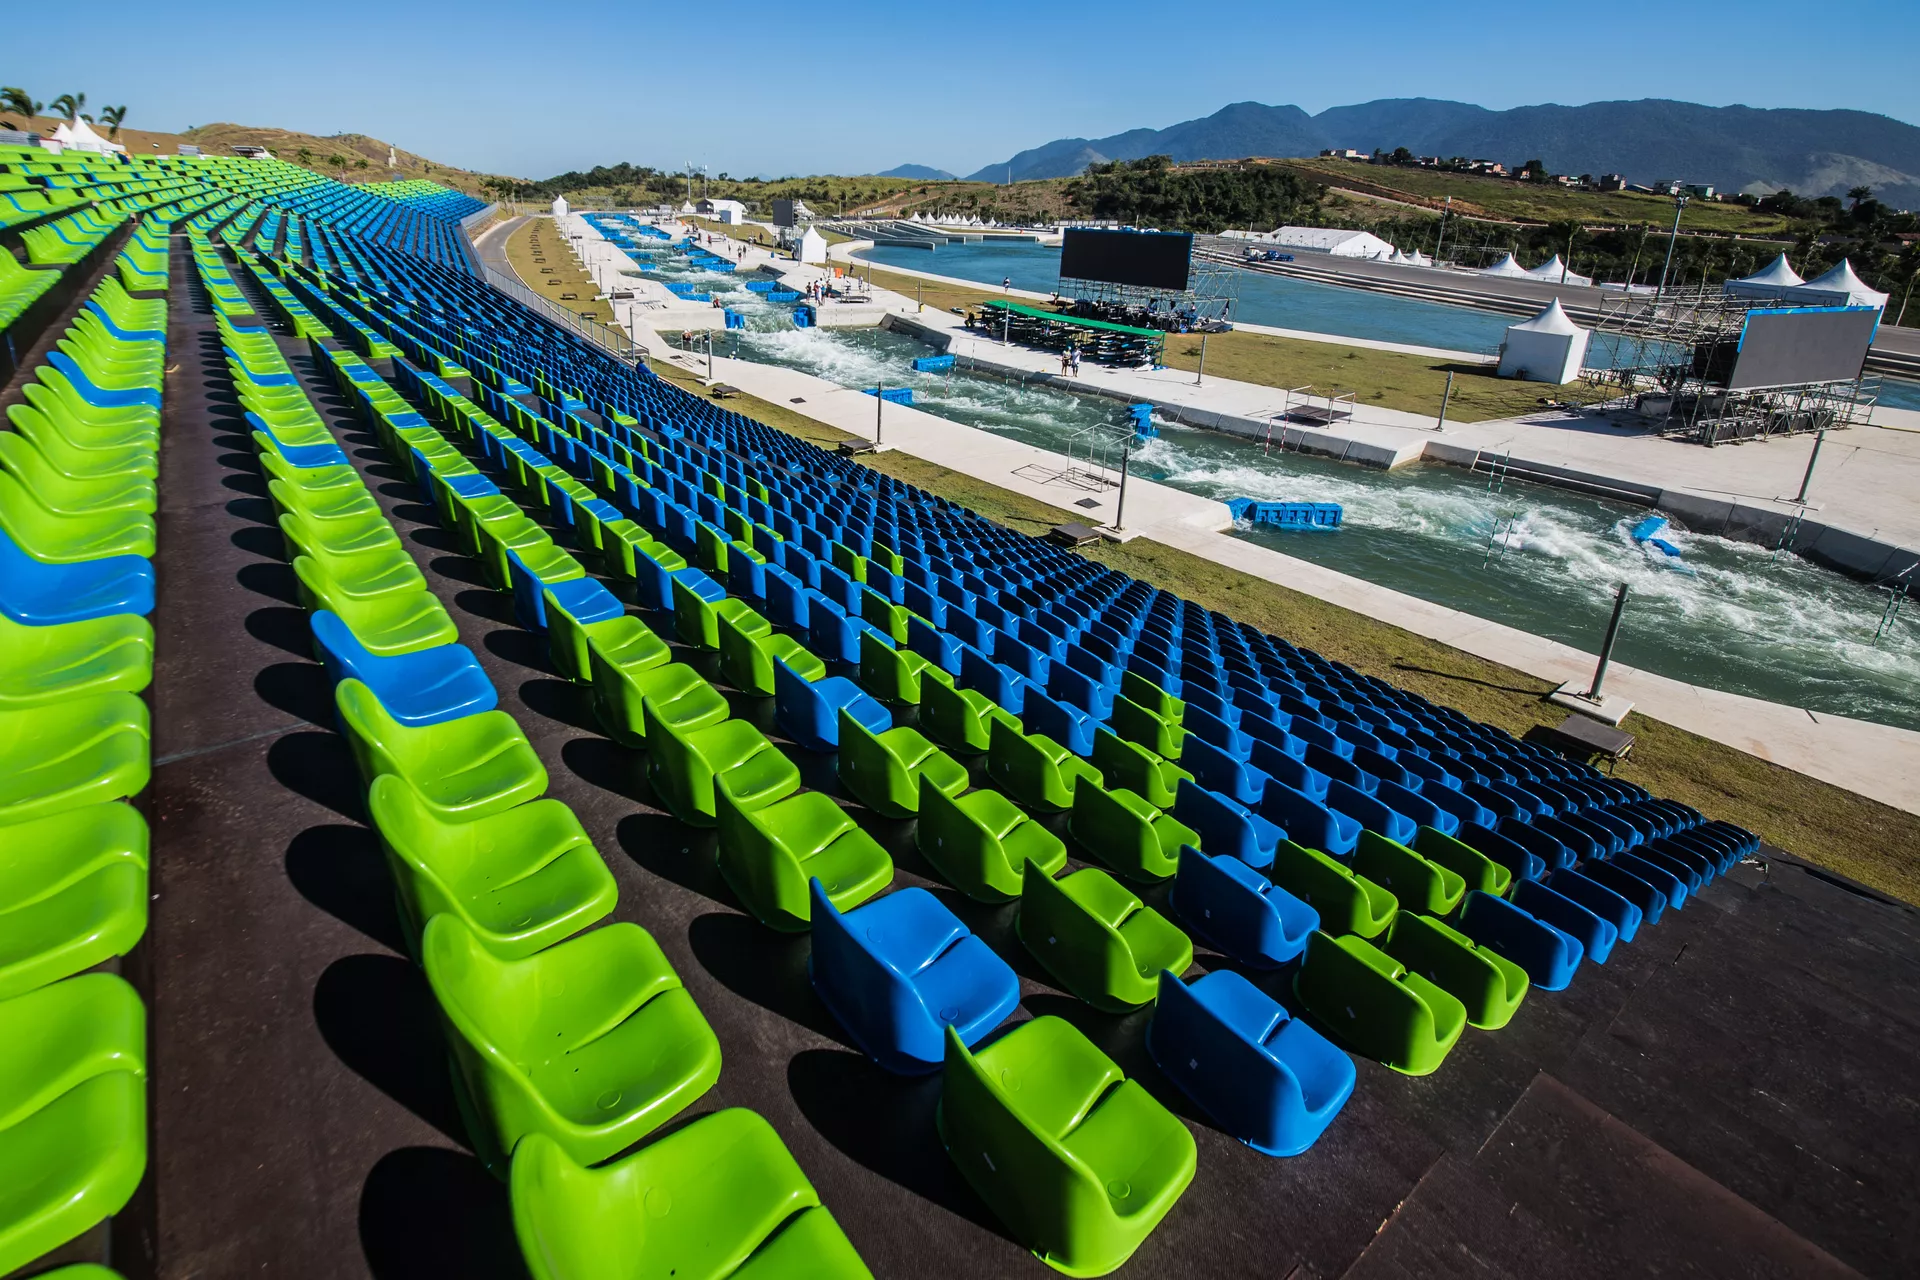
[(932, 364), (1287, 515)]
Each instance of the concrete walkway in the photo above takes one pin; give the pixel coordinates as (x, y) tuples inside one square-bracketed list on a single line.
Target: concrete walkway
[(1873, 760)]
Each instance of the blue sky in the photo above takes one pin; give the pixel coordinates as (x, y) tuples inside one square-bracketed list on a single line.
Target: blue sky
[(536, 89)]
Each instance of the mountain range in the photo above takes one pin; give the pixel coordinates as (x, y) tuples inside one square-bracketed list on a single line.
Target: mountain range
[(918, 173), (1734, 148)]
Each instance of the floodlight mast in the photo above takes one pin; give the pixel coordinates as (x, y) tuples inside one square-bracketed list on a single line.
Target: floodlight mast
[(1673, 238)]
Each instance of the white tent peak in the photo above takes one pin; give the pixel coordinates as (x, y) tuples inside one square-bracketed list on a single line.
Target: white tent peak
[(1505, 267), (1778, 274), (1552, 318), (1842, 279)]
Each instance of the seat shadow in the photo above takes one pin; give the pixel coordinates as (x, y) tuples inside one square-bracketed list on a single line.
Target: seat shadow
[(378, 1015), (283, 627), (765, 967), (569, 703), (258, 510), (494, 606), (455, 568), (413, 510), (272, 578), (675, 852), (428, 1211), (341, 869), (261, 541), (320, 767), (299, 689), (611, 767), (245, 483), (885, 1123), (435, 538)]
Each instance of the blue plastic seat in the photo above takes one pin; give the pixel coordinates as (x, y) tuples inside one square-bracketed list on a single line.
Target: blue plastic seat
[(1311, 823), (1222, 733), (1240, 912), (1226, 826), (427, 686), (900, 970), (933, 644), (1219, 770), (1069, 726), (584, 599), (1005, 686), (1269, 1080), (1615, 908), (303, 456), (38, 594), (1283, 766), (1639, 889), (1417, 806), (1549, 955), (808, 713), (1539, 842), (1596, 936), (1523, 863), (1581, 843), (1077, 689), (1372, 813)]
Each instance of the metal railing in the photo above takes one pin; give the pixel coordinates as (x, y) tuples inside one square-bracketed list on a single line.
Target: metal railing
[(611, 340)]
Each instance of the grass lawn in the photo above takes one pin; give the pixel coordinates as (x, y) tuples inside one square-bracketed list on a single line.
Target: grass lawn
[(1853, 836), (1389, 379), (542, 259), (747, 234)]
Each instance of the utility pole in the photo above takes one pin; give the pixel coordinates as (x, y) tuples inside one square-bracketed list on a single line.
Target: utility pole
[(1606, 646), (1203, 362), (879, 404), (1673, 238), (1566, 264), (1442, 237), (1806, 481), (1445, 399), (1120, 505)]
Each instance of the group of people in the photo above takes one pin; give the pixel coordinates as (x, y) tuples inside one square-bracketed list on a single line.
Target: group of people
[(1070, 361)]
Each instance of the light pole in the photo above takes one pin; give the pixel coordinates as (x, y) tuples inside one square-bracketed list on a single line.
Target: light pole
[(1202, 372), (1806, 481), (879, 406), (1673, 238), (1606, 646), (1442, 237), (1120, 504)]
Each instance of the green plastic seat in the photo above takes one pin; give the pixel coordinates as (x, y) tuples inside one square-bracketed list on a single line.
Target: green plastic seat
[(358, 575), (73, 1111), (1347, 901), (397, 622), (1138, 689), (961, 720), (75, 752), (1033, 769), (747, 657), (696, 620), (1146, 727), (684, 764), (631, 670), (77, 462), (58, 539), (1078, 1161), (63, 494), (768, 854), (1377, 1005), (720, 1199), (883, 771), (73, 893), (982, 842), (537, 551), (571, 650), (1472, 866), (1487, 984), (890, 618), (343, 537), (334, 502), (461, 769), (43, 665), (1415, 883), (1104, 945), (896, 675), (1145, 773), (521, 880), (593, 1042), (1127, 834)]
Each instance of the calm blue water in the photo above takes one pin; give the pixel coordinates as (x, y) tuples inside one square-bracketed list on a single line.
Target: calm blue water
[(1278, 301)]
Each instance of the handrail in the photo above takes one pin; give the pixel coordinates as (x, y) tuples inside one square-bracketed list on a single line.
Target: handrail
[(613, 341)]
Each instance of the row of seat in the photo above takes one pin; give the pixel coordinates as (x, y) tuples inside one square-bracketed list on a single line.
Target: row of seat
[(705, 615), (77, 498), (498, 883)]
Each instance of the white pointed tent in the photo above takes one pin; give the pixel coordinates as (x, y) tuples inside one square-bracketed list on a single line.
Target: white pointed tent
[(1548, 348), (812, 248), (1839, 287), (1771, 281), (1506, 267), (1554, 271), (1415, 258), (559, 206), (77, 135)]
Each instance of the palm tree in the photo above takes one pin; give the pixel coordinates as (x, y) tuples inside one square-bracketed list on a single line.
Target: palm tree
[(1857, 194), (17, 99), (112, 117), (69, 105)]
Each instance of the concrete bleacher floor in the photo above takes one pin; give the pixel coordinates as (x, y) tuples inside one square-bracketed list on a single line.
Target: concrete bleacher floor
[(1732, 1096)]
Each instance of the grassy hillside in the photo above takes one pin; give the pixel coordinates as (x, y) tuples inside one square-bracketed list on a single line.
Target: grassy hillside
[(1478, 196), (361, 158)]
